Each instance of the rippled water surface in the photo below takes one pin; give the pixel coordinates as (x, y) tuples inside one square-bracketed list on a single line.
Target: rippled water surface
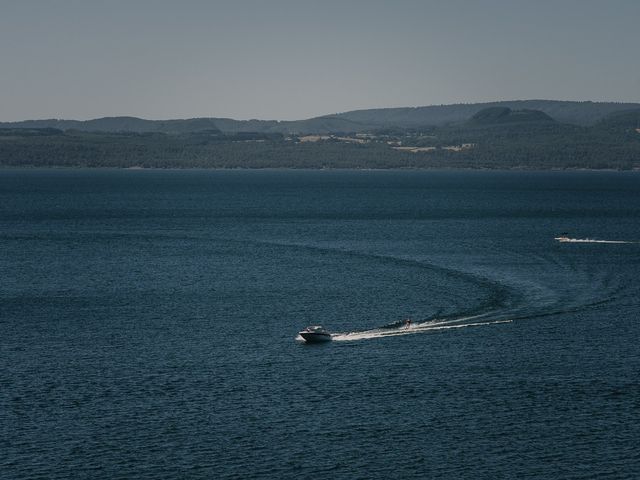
[(149, 319)]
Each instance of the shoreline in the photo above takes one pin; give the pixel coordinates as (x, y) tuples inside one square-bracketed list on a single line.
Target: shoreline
[(317, 169)]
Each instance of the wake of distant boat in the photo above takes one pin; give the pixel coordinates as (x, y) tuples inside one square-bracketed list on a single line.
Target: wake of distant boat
[(588, 240)]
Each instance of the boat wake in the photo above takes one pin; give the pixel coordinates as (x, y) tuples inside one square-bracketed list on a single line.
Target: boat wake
[(414, 328), (589, 240), (489, 289)]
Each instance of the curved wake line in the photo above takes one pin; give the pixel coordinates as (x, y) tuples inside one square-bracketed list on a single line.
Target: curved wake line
[(413, 329), (505, 302), (499, 295)]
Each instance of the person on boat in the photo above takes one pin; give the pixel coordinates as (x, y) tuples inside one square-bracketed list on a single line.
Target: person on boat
[(407, 322)]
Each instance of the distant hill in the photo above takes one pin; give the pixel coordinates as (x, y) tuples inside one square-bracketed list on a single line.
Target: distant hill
[(326, 124), (504, 115), (496, 137), (577, 113), (120, 124)]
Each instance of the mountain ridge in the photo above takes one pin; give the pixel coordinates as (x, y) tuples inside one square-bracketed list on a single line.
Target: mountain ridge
[(578, 113)]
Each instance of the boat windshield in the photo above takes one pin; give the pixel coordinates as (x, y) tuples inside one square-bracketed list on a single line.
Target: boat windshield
[(315, 328)]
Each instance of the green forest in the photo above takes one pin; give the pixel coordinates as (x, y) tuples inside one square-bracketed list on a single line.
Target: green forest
[(494, 138)]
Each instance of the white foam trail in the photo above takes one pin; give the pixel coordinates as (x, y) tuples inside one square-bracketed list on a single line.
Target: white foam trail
[(413, 329), (590, 240)]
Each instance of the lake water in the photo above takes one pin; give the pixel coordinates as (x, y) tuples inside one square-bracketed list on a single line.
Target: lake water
[(148, 324)]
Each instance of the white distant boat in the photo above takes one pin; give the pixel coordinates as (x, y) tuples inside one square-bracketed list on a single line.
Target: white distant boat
[(565, 238), (315, 334)]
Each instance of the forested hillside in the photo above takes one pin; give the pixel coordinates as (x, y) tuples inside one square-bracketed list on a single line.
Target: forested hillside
[(495, 137)]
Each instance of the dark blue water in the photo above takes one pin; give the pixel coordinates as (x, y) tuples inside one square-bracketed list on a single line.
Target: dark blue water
[(148, 324)]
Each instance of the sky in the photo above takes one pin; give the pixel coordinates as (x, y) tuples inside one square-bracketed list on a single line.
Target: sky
[(295, 59)]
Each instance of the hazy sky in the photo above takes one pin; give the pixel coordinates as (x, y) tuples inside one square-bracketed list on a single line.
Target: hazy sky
[(295, 59)]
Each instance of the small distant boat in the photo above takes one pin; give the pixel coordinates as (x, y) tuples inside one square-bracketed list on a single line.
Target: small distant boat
[(564, 237), (315, 334)]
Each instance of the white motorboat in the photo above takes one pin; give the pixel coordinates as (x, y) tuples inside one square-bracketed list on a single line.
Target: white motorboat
[(315, 334)]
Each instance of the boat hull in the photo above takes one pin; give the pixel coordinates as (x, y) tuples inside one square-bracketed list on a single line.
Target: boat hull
[(313, 337)]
